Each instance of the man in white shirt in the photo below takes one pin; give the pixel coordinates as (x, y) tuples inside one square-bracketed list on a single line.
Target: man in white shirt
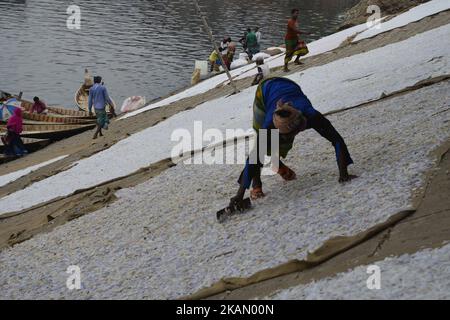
[(223, 48), (258, 35)]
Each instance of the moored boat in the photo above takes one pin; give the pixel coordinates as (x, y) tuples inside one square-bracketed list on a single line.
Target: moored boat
[(52, 110), (51, 131), (54, 119), (57, 111)]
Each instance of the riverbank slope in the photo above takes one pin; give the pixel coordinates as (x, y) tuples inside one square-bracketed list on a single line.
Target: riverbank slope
[(151, 232)]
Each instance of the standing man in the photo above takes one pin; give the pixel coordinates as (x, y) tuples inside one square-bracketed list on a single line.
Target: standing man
[(291, 39), (243, 40), (281, 104), (88, 81), (252, 44), (258, 38), (223, 48), (99, 98)]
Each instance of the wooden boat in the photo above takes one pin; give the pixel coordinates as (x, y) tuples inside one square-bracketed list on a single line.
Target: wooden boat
[(30, 144), (33, 118), (52, 132), (52, 110), (41, 119), (82, 99), (57, 111)]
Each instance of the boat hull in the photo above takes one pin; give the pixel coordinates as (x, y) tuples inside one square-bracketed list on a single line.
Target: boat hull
[(31, 145), (53, 111), (51, 132), (51, 118)]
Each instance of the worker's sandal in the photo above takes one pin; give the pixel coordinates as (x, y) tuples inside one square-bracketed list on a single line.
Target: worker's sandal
[(256, 193), (287, 173)]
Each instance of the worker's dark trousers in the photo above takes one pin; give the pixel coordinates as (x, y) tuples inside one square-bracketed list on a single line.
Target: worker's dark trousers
[(15, 145), (324, 127)]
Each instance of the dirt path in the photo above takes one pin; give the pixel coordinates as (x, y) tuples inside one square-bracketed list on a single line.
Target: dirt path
[(427, 227)]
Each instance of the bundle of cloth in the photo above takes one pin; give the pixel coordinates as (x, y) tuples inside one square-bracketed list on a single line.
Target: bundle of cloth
[(132, 103)]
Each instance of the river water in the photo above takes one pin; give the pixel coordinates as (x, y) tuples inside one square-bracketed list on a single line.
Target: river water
[(140, 47)]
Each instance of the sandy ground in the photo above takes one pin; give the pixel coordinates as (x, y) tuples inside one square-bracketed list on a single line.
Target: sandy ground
[(143, 247), (427, 228)]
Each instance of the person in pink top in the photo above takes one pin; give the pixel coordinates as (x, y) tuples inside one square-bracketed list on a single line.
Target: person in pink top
[(15, 122), (12, 141), (39, 106)]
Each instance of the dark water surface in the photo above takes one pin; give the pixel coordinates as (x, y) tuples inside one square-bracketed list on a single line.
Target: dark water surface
[(140, 47)]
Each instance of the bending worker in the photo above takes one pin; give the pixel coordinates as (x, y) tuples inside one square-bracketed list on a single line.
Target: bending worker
[(281, 104)]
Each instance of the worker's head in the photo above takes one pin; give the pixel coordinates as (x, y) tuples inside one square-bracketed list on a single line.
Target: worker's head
[(18, 112), (249, 30), (36, 99), (256, 29), (97, 79), (294, 13), (259, 61), (288, 120)]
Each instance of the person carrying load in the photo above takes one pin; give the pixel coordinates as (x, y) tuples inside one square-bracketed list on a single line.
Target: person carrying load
[(294, 47)]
